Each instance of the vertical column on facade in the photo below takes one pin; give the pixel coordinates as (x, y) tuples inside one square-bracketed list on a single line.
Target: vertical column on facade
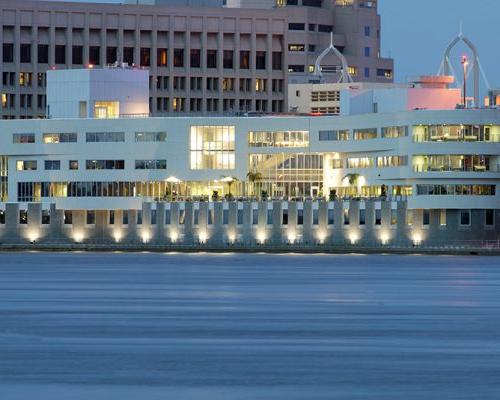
[(121, 44), (400, 233), (307, 222), (56, 223), (253, 66), (338, 216), (135, 234), (355, 231), (322, 234), (187, 65), (236, 63), (262, 234), (171, 30), (276, 235), (159, 233), (146, 234), (203, 221), (292, 230), (247, 222), (232, 226), (175, 231), (12, 226), (203, 55), (79, 226), (218, 234), (137, 41), (86, 40), (52, 40), (17, 60), (269, 65), (188, 226), (370, 218), (101, 231), (220, 63), (69, 43), (153, 68), (284, 67), (104, 38), (34, 227), (2, 110)]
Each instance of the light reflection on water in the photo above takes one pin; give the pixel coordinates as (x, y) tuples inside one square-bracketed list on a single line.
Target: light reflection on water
[(248, 326)]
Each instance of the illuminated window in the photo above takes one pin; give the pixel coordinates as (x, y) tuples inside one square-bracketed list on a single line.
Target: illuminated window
[(278, 139), (51, 138), (106, 109), (351, 70), (26, 165), (4, 100), (212, 147)]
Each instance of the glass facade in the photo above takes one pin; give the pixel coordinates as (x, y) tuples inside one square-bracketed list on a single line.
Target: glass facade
[(456, 133), (278, 139), (212, 147)]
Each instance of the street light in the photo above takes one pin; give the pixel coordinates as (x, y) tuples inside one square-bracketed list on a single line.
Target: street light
[(465, 63)]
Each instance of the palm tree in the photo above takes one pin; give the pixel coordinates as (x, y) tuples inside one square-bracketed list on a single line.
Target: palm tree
[(352, 179), (254, 177), (229, 180)]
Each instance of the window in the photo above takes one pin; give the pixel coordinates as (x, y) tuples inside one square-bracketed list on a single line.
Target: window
[(442, 217), (293, 26), (312, 27), (361, 162), (456, 190), (23, 138), (277, 61), (260, 60), (278, 139), (8, 52), (394, 216), (45, 217), (90, 220), (364, 134), (195, 58), (225, 217), (53, 138), (23, 217), (105, 164), (367, 31), (315, 216), (409, 217), (150, 136), (489, 217), (68, 217), (2, 217), (179, 58), (52, 164), (346, 216), (296, 68), (93, 137), (152, 216), (73, 164), (367, 52), (325, 28), (145, 56), (43, 54), (384, 73), (211, 58), (456, 133), (94, 55), (270, 217), (228, 59), (331, 216), (139, 217), (300, 216), (333, 135), (367, 72), (311, 3), (284, 217), (465, 219), (168, 216), (128, 55), (212, 147), (296, 47), (25, 53), (394, 132), (210, 216), (244, 59), (60, 54), (150, 164), (378, 216), (125, 217), (111, 217), (26, 165), (111, 55), (162, 57), (77, 55), (239, 216), (255, 216), (426, 215)]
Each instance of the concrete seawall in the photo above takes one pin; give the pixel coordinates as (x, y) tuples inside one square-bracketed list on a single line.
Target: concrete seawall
[(309, 226)]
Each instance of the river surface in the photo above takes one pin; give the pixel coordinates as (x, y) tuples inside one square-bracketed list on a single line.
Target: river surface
[(248, 326)]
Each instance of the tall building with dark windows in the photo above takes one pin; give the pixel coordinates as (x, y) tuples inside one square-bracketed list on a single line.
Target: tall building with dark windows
[(204, 56)]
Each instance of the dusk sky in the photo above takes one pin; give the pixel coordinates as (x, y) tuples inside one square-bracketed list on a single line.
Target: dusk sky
[(415, 33)]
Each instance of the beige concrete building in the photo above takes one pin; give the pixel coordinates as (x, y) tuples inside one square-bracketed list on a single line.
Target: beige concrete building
[(204, 56)]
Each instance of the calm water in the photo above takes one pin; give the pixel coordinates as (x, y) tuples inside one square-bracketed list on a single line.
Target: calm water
[(171, 326)]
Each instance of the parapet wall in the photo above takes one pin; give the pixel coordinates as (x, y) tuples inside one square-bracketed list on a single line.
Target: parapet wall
[(232, 225)]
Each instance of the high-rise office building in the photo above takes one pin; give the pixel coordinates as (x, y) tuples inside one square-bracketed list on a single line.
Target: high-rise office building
[(204, 56)]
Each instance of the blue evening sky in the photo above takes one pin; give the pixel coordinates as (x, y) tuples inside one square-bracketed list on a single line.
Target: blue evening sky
[(416, 32)]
